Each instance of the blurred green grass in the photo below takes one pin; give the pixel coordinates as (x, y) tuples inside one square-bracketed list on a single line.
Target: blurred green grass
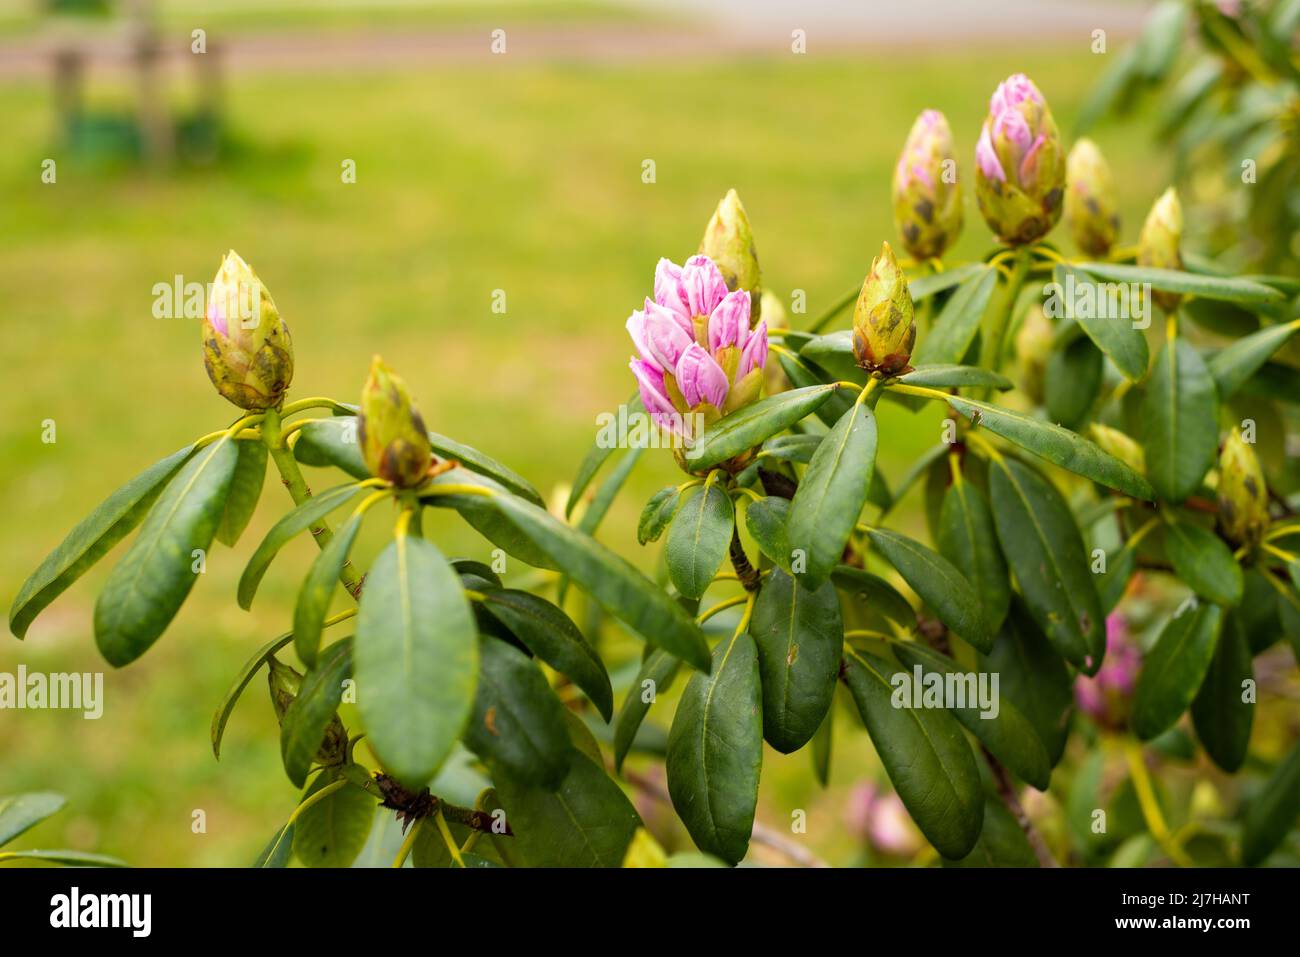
[(525, 178)]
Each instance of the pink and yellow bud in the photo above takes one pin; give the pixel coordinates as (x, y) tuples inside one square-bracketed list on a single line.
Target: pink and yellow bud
[(1090, 207), (1160, 241), (1019, 164), (729, 242), (884, 326), (246, 345), (926, 194), (393, 439), (1242, 492)]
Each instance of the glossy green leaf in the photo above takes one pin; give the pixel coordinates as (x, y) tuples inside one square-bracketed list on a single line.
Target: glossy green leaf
[(1106, 325), (1034, 677), (617, 587), (1172, 671), (1120, 567), (1180, 420), (698, 538), (833, 352), (1221, 715), (655, 677), (416, 659), (832, 493), (588, 822), (279, 849), (923, 287), (939, 583), (1072, 381), (804, 374), (798, 447), (715, 751), (925, 754), (245, 490), (798, 635), (870, 592), (750, 426), (822, 743), (1195, 284), (1055, 444), (1234, 364), (968, 539), (1045, 550), (1002, 842), (91, 540), (486, 518), (331, 443), (313, 602), (231, 698), (282, 532), (476, 461), (955, 377), (954, 330), (68, 858), (1204, 562), (149, 585), (518, 723), (552, 636), (18, 812), (978, 704), (1273, 812), (766, 520), (332, 832), (656, 515), (312, 709)]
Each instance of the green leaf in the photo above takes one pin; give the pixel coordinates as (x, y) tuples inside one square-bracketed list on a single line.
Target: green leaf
[(69, 858), (745, 428), (871, 592), (1162, 36), (955, 328), (518, 722), (923, 287), (313, 602), (91, 540), (250, 668), (1220, 714), (476, 461), (617, 587), (939, 583), (149, 585), (1055, 444), (488, 520), (18, 812), (793, 448), (331, 443), (1195, 284), (968, 539), (766, 520), (698, 539), (1072, 381), (1033, 677), (416, 654), (599, 451), (1273, 812), (996, 722), (1234, 364), (821, 747), (1117, 77), (278, 850), (312, 709), (833, 352), (1172, 671), (656, 515), (553, 637), (588, 822), (1204, 562), (1114, 581), (803, 374), (798, 635), (1107, 328), (1002, 842), (715, 751), (831, 495), (245, 490), (924, 752), (955, 377), (1180, 417), (282, 532), (1045, 549), (332, 832), (655, 677)]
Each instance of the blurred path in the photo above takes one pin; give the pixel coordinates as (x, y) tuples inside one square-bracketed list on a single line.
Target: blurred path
[(699, 28)]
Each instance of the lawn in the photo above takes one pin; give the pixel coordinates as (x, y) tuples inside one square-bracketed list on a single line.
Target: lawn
[(524, 178)]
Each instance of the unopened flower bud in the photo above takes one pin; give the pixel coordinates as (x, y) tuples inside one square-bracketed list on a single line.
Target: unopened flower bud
[(246, 346), (1019, 164), (884, 328), (285, 683), (729, 242), (393, 439), (1107, 696), (1033, 346), (1090, 200), (1158, 244), (927, 197), (1119, 445), (1242, 492)]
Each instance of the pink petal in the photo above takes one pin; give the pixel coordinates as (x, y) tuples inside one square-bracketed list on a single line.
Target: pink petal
[(1010, 125), (664, 335), (729, 321), (217, 315), (636, 329), (669, 292), (987, 158), (1028, 173), (700, 378), (754, 355), (703, 284), (650, 381)]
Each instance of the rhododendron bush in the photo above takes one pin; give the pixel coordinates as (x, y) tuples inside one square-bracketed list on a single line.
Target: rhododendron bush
[(1078, 656)]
